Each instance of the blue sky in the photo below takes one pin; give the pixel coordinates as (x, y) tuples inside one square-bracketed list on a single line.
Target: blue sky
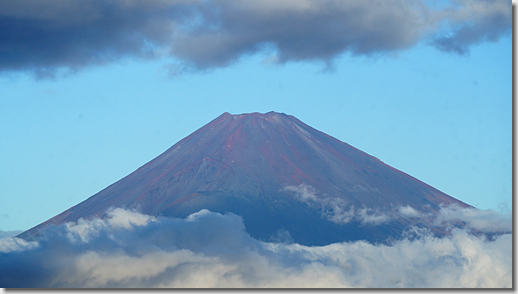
[(434, 101)]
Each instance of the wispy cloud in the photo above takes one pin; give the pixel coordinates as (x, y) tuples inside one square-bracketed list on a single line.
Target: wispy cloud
[(337, 210), (4, 234), (340, 211), (46, 37), (213, 250), (483, 220)]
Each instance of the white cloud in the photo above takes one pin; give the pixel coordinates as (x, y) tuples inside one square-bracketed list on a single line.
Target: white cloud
[(212, 250), (337, 210), (461, 260), (483, 220), (487, 221), (117, 218), (368, 216), (10, 244), (304, 192), (409, 212)]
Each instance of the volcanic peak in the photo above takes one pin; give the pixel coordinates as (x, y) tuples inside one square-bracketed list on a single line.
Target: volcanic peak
[(274, 171), (254, 117)]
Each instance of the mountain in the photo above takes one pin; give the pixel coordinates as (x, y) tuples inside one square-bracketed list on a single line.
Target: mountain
[(287, 180)]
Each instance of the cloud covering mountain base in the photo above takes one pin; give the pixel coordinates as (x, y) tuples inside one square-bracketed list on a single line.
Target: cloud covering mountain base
[(207, 249)]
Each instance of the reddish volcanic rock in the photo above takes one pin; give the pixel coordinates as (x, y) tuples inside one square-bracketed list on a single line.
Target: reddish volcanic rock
[(276, 172)]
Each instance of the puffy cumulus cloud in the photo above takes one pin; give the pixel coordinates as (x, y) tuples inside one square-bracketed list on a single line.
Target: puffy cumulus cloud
[(52, 35), (7, 243), (209, 249), (10, 244), (118, 218)]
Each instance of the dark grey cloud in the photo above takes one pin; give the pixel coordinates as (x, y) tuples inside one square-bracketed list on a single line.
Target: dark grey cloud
[(50, 36), (299, 30), (208, 249), (43, 36), (476, 22)]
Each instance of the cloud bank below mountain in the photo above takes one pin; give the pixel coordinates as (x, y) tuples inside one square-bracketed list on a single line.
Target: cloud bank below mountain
[(208, 249), (45, 37)]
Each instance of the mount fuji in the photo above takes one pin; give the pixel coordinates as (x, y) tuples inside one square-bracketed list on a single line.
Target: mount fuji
[(286, 180)]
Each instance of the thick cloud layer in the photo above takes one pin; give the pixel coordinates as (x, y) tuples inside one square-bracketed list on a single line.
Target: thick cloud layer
[(212, 250), (45, 36)]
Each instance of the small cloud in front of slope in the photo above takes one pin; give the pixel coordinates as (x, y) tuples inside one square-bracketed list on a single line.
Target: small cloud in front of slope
[(335, 209)]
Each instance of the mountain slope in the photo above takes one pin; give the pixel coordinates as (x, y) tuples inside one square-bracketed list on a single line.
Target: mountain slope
[(282, 176)]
